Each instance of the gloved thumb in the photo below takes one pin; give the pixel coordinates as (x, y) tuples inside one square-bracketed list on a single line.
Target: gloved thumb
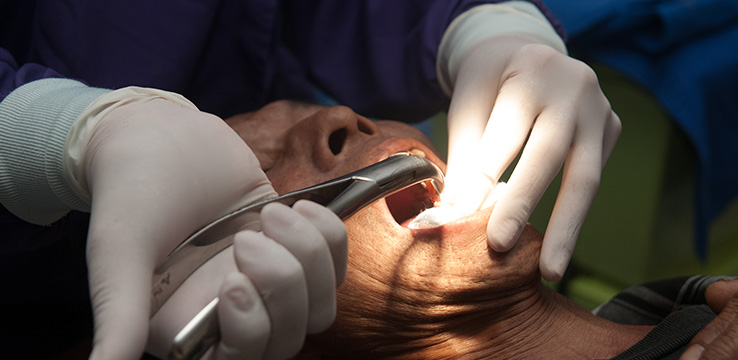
[(120, 278)]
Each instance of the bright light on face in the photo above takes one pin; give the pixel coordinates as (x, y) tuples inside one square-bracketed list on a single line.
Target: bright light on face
[(463, 177), (444, 213), (471, 143), (466, 190)]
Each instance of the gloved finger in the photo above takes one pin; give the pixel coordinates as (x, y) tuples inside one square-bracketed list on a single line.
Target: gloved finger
[(507, 130), (470, 107), (613, 127), (505, 134), (469, 111), (119, 279), (301, 238), (539, 163), (719, 339), (243, 319), (580, 181), (333, 230), (281, 283)]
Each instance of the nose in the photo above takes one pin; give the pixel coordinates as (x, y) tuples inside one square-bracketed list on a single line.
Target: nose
[(333, 133)]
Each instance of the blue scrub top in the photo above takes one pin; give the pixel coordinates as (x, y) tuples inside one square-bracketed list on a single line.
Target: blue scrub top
[(683, 52)]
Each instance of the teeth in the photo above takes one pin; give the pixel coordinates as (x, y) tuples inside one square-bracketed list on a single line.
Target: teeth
[(417, 152), (432, 190)]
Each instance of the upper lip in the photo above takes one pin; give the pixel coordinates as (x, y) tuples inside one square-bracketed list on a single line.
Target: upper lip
[(395, 145)]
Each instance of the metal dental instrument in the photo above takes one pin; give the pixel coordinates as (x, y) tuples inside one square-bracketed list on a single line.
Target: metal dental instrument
[(344, 196)]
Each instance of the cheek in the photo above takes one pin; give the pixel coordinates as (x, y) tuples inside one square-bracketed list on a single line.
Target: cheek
[(402, 130), (371, 243), (522, 260), (372, 257), (294, 177)]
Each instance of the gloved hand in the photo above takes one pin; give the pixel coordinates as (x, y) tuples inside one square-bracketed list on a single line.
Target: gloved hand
[(719, 339), (156, 172), (509, 90), (295, 264)]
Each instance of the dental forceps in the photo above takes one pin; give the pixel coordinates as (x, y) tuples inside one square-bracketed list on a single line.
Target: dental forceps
[(344, 196)]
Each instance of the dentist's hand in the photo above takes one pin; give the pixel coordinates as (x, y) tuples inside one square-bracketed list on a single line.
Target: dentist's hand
[(156, 172), (510, 90), (280, 287), (296, 265)]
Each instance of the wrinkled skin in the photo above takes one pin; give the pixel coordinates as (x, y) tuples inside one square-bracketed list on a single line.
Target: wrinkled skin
[(719, 339)]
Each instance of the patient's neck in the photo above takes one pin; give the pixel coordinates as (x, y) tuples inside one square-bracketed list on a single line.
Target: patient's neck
[(546, 325), (532, 322)]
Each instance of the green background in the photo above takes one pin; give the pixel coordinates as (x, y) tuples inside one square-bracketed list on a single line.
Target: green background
[(640, 227)]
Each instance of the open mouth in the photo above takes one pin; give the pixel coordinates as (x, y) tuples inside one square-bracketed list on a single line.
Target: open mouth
[(407, 203)]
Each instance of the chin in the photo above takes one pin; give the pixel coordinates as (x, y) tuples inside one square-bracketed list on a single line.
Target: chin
[(444, 260), (403, 285)]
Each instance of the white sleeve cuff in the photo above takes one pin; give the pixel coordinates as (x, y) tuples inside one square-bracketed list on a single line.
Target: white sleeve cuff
[(483, 22), (45, 126), (35, 119)]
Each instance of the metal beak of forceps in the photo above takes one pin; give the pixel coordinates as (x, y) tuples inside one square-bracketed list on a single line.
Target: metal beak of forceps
[(344, 196)]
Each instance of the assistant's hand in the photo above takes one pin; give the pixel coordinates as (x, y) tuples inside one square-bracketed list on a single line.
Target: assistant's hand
[(719, 339), (156, 172), (510, 90)]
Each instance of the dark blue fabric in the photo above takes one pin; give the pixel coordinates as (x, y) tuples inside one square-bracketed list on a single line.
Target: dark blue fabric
[(233, 56), (684, 53), (228, 57)]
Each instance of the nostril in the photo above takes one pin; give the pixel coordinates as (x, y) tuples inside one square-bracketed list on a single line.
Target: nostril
[(336, 140)]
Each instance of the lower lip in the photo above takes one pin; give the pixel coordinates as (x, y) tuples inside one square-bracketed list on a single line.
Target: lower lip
[(453, 223)]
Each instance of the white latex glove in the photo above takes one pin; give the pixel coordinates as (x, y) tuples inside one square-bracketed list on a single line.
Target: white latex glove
[(509, 89), (156, 172), (296, 263), (282, 288)]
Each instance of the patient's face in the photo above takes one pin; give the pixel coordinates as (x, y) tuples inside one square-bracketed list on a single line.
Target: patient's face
[(397, 278)]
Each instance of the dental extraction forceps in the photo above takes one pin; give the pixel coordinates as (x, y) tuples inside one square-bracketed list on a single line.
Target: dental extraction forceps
[(344, 196)]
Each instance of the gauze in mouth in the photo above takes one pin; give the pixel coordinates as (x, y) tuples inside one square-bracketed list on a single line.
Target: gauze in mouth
[(446, 213), (435, 216)]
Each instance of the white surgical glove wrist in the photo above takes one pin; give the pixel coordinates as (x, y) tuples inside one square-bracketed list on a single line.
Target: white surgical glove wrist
[(82, 129), (483, 22), (46, 126)]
